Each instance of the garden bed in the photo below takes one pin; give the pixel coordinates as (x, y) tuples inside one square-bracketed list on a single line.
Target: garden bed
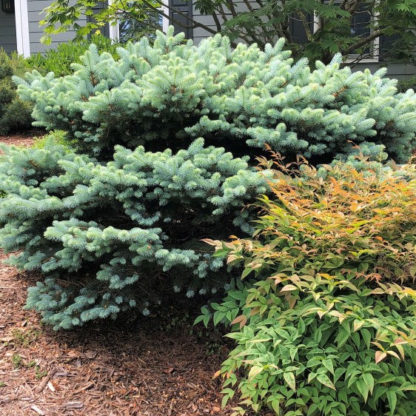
[(100, 370), (24, 140), (146, 370)]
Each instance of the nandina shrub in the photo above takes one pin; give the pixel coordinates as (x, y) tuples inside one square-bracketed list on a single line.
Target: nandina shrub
[(329, 326)]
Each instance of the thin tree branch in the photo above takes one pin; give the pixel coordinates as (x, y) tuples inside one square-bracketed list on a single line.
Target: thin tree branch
[(217, 21), (231, 8), (362, 42), (305, 25)]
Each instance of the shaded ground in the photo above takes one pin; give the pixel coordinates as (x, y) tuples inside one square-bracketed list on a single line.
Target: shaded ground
[(151, 369), (25, 139), (99, 371)]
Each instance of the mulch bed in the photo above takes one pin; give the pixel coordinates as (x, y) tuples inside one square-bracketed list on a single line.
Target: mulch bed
[(106, 370), (24, 139), (99, 370)]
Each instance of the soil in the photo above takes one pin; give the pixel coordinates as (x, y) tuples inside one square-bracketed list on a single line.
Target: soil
[(23, 139), (99, 371), (146, 369)]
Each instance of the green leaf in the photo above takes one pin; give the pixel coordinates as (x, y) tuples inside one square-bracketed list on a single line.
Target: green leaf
[(218, 317), (324, 379), (409, 387), (254, 371), (311, 376), (246, 272), (369, 381), (301, 326), (362, 388), (327, 363), (228, 394), (275, 404), (365, 333), (392, 399), (290, 380), (342, 337)]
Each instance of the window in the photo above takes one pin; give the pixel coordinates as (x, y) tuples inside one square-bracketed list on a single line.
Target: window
[(178, 15), (297, 29), (360, 27)]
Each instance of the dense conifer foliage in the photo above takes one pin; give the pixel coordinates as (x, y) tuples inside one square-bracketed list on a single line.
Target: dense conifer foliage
[(106, 236), (167, 94), (121, 211)]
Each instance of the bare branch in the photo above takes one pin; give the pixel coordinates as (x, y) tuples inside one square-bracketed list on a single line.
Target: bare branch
[(217, 21), (305, 25), (363, 41)]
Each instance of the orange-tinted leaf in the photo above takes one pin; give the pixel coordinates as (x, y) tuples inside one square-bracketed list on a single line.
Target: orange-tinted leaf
[(288, 288), (242, 320), (380, 356)]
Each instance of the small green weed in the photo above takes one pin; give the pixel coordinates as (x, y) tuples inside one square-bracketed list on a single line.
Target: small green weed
[(25, 338), (17, 360), (39, 374)]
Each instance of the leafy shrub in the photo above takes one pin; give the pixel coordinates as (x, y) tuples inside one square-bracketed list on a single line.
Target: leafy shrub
[(121, 216), (58, 137), (169, 93), (14, 113), (59, 60), (405, 84), (329, 328)]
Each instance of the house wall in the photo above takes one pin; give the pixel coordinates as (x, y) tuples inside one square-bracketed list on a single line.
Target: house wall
[(35, 8), (200, 33), (7, 31), (399, 71)]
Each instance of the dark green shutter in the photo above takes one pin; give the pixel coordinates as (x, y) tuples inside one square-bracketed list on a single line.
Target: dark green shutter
[(297, 30), (184, 7)]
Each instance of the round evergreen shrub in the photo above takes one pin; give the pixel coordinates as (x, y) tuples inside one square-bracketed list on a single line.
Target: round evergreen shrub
[(107, 236), (121, 212), (167, 94)]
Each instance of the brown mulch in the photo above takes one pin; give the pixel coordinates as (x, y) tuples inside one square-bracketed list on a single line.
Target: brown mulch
[(99, 371), (23, 139)]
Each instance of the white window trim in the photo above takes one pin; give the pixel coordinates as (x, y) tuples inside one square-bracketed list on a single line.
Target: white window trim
[(165, 21), (113, 29), (375, 45), (22, 28)]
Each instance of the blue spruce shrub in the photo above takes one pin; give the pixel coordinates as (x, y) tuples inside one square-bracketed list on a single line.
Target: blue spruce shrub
[(123, 210), (104, 234), (170, 93)]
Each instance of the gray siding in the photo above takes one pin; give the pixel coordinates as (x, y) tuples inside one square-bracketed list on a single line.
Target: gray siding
[(200, 33), (7, 31), (35, 8), (399, 71)]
